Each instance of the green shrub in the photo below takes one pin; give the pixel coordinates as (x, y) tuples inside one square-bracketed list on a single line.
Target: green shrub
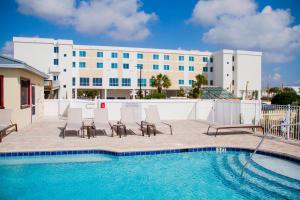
[(285, 98), (156, 95)]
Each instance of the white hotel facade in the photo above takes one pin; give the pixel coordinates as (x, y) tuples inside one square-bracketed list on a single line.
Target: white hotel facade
[(115, 71)]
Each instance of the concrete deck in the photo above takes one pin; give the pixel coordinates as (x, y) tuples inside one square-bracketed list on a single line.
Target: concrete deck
[(45, 136)]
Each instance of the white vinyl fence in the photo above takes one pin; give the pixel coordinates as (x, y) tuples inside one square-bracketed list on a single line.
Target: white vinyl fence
[(220, 111)]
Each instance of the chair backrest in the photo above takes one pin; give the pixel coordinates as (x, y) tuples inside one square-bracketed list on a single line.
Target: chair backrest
[(5, 116), (152, 115), (100, 115), (128, 115), (75, 115)]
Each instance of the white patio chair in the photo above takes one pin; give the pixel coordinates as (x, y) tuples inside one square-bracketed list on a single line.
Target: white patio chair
[(153, 118), (5, 122), (74, 121), (129, 119), (101, 122)]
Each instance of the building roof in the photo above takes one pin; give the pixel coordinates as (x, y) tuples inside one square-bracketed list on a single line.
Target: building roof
[(216, 93), (7, 62)]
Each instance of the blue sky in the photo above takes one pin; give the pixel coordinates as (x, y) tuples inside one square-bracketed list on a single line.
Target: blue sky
[(262, 25)]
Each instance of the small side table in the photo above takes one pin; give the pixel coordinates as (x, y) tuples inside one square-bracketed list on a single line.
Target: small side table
[(90, 129), (119, 127)]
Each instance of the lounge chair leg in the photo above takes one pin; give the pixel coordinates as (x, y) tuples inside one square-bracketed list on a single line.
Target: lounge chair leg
[(16, 127), (0, 136), (64, 133), (154, 130), (148, 130), (216, 132), (208, 130), (171, 130)]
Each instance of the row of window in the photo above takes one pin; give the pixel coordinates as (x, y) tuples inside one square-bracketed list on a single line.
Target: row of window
[(139, 56), (99, 65), (84, 81), (205, 69)]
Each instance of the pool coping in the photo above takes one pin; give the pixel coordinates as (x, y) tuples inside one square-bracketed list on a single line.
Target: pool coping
[(150, 152)]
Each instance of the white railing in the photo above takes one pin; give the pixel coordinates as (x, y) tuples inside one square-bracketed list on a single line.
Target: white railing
[(278, 116)]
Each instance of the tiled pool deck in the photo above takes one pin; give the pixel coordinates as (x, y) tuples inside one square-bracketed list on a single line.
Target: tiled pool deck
[(45, 136)]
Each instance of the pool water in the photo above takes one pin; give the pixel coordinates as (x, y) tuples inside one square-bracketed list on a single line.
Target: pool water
[(197, 175)]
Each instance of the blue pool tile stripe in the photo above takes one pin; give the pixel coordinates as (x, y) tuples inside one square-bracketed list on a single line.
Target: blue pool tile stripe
[(137, 153)]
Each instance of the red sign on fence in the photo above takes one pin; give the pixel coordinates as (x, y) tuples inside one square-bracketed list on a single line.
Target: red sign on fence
[(102, 105)]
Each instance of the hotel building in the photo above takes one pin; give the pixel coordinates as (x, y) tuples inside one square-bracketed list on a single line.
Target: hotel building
[(116, 71)]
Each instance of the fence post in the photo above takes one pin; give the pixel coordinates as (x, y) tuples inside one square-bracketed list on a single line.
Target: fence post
[(289, 121)]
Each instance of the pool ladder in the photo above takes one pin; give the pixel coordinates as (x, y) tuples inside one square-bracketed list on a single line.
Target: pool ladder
[(260, 143)]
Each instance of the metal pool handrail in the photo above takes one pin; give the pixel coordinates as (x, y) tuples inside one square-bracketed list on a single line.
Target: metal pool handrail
[(261, 141)]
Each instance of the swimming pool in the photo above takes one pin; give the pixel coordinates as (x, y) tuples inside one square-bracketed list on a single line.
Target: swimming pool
[(189, 175)]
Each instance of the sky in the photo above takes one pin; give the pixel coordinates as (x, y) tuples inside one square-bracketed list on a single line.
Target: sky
[(269, 26)]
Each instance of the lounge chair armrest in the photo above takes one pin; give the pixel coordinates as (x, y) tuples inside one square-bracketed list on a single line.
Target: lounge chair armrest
[(166, 124)]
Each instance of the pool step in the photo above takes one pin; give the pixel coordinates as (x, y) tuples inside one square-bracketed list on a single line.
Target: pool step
[(272, 187), (230, 180), (274, 178), (256, 182)]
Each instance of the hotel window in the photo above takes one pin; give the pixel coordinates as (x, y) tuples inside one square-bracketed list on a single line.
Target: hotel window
[(191, 58), (82, 64), (205, 59), (100, 54), (232, 58), (142, 82), (139, 66), (84, 81), (126, 82), (55, 61), (97, 81), (150, 82), (155, 56), (140, 56), (211, 82), (125, 55), (166, 67), (181, 82), (205, 69), (1, 92), (166, 57), (113, 82), (232, 82), (181, 68), (125, 66), (211, 69), (73, 81), (74, 53), (232, 68), (74, 64), (99, 65), (82, 53), (191, 68), (114, 55), (211, 59), (56, 49), (55, 78), (191, 82), (25, 93), (155, 67), (181, 58), (114, 65)]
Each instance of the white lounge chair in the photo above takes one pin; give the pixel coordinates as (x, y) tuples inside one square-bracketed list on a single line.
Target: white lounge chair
[(5, 122), (101, 122), (74, 122), (129, 119), (153, 118)]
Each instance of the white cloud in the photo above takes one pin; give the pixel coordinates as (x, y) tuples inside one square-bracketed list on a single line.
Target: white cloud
[(276, 76), (270, 31), (119, 19), (8, 49), (209, 12)]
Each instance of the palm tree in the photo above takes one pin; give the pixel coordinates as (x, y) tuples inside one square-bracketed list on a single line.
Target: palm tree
[(160, 81), (200, 80)]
